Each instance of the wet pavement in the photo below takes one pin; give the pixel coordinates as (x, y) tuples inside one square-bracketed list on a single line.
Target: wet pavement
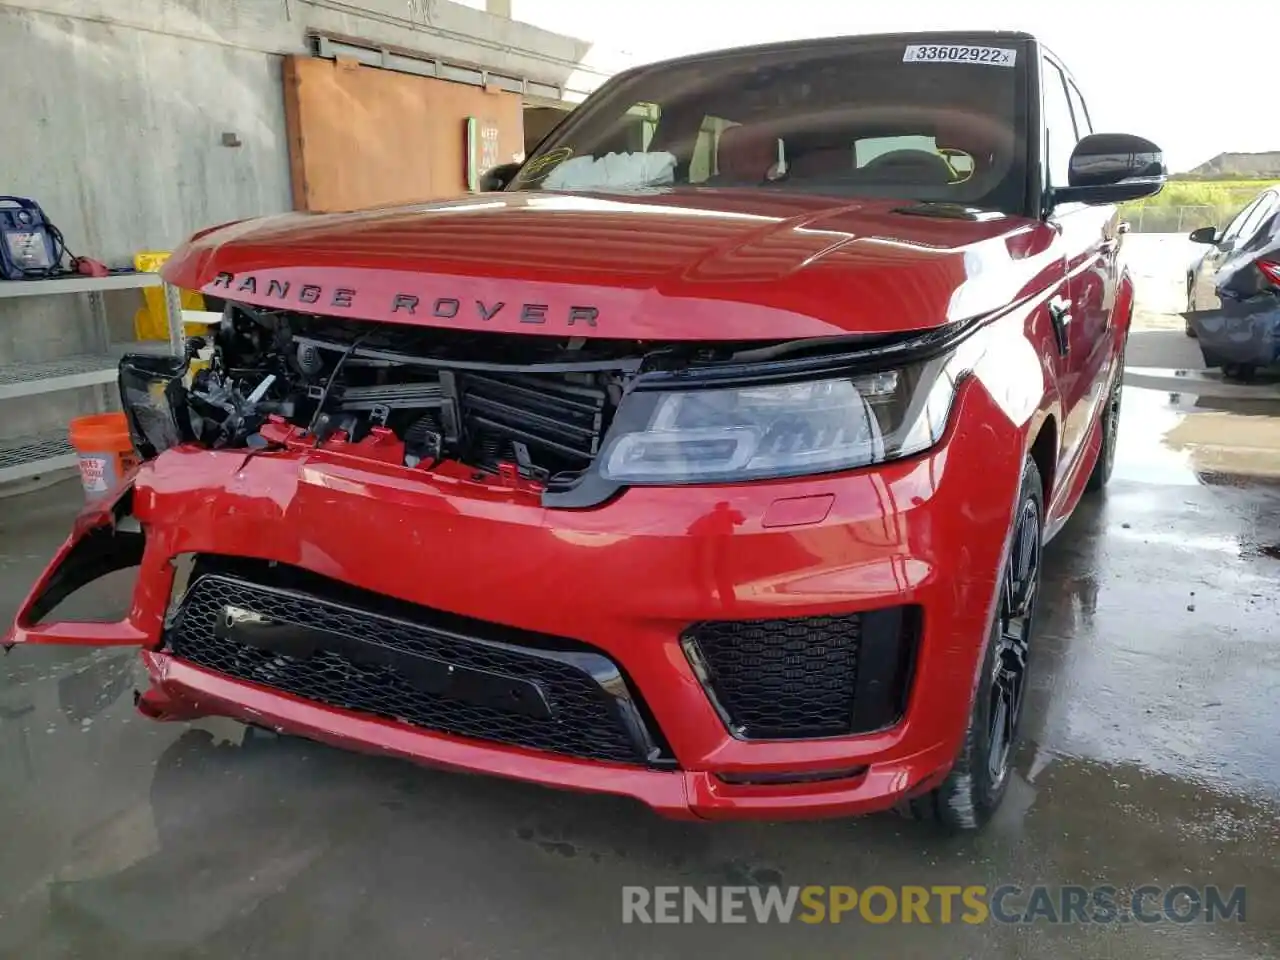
[(1152, 757)]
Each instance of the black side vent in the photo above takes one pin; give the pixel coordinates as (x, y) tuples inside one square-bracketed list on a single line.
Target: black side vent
[(807, 677)]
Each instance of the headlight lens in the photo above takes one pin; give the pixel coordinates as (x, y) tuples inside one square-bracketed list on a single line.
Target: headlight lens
[(151, 394), (745, 433)]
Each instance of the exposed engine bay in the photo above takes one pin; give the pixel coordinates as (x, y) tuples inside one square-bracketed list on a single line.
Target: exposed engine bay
[(522, 409), (538, 404)]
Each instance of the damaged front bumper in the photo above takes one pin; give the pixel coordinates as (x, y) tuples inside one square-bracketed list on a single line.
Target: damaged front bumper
[(106, 537), (584, 621)]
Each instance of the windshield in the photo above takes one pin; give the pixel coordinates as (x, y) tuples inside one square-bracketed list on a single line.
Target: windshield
[(888, 118)]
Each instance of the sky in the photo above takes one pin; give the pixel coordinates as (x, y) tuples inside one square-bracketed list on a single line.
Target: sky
[(1195, 83)]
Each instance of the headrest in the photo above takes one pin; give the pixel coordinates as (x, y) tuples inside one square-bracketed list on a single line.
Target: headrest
[(746, 153), (975, 136)]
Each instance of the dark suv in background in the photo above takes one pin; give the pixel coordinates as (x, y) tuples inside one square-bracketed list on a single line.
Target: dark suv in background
[(1233, 290)]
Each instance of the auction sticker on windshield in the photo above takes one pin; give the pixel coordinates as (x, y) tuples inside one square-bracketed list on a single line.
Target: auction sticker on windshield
[(955, 53)]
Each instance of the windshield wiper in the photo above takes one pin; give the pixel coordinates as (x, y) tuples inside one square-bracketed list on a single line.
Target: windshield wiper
[(949, 210)]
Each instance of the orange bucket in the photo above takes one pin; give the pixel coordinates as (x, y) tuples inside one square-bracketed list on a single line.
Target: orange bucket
[(105, 449)]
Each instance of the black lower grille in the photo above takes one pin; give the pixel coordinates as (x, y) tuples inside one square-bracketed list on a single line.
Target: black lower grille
[(806, 677), (414, 665)]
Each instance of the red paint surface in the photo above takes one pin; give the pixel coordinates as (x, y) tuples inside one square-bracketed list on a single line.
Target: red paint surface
[(798, 511), (631, 574), (683, 265)]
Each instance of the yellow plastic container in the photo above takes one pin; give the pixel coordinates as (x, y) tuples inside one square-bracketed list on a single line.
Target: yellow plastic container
[(149, 322)]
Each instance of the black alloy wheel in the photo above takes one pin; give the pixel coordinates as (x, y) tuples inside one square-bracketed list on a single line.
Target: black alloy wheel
[(1110, 434), (978, 779), (1013, 641)]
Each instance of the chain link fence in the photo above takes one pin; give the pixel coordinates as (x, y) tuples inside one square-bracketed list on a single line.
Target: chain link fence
[(1154, 218)]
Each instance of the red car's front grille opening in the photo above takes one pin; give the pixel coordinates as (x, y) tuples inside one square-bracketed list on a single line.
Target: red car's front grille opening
[(333, 644), (806, 677)]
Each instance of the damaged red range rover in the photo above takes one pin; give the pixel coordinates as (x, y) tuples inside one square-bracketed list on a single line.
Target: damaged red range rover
[(705, 458)]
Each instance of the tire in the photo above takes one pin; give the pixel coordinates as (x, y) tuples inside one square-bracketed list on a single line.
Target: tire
[(1106, 462), (1243, 372), (1187, 328), (980, 776)]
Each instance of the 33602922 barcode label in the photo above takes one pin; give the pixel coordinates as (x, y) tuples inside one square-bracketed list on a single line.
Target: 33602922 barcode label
[(958, 53)]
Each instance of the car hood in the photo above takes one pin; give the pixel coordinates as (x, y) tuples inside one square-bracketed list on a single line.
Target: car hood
[(678, 265)]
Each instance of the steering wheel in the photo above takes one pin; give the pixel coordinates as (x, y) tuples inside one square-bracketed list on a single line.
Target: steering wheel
[(912, 166)]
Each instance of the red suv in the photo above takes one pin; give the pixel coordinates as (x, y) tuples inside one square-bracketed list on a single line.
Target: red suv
[(706, 458)]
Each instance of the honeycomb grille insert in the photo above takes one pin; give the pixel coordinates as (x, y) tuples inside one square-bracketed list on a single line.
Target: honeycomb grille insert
[(584, 722), (781, 679)]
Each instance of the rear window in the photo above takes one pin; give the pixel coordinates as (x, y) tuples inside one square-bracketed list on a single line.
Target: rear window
[(887, 118)]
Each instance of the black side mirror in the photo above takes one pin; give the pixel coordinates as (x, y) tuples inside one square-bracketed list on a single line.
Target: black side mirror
[(1204, 235), (1112, 168), (497, 178)]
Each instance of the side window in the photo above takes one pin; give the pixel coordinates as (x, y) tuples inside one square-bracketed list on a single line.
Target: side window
[(1084, 125), (1233, 228), (1060, 129), (1269, 226), (1260, 214)]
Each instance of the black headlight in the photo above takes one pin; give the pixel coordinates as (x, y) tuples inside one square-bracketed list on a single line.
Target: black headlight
[(154, 400), (780, 430)]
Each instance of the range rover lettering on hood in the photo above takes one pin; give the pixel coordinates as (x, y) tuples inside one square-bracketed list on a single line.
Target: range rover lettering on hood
[(689, 265), (444, 308)]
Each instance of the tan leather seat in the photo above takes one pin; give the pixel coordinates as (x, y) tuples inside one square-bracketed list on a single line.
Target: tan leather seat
[(746, 154)]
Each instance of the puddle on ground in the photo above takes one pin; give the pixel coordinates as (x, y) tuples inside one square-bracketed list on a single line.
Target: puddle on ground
[(1252, 551), (1175, 438)]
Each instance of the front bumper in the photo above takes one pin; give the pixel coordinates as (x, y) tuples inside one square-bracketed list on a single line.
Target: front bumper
[(626, 578), (1239, 333)]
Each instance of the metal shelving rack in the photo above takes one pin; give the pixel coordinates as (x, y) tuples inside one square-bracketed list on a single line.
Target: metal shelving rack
[(22, 457)]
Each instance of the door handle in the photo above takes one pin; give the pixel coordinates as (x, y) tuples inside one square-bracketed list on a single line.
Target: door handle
[(1060, 315)]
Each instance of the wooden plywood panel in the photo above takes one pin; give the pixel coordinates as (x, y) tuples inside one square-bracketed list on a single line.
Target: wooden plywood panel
[(360, 136)]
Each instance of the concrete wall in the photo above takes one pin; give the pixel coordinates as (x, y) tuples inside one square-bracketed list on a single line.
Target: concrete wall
[(118, 131), (113, 114)]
